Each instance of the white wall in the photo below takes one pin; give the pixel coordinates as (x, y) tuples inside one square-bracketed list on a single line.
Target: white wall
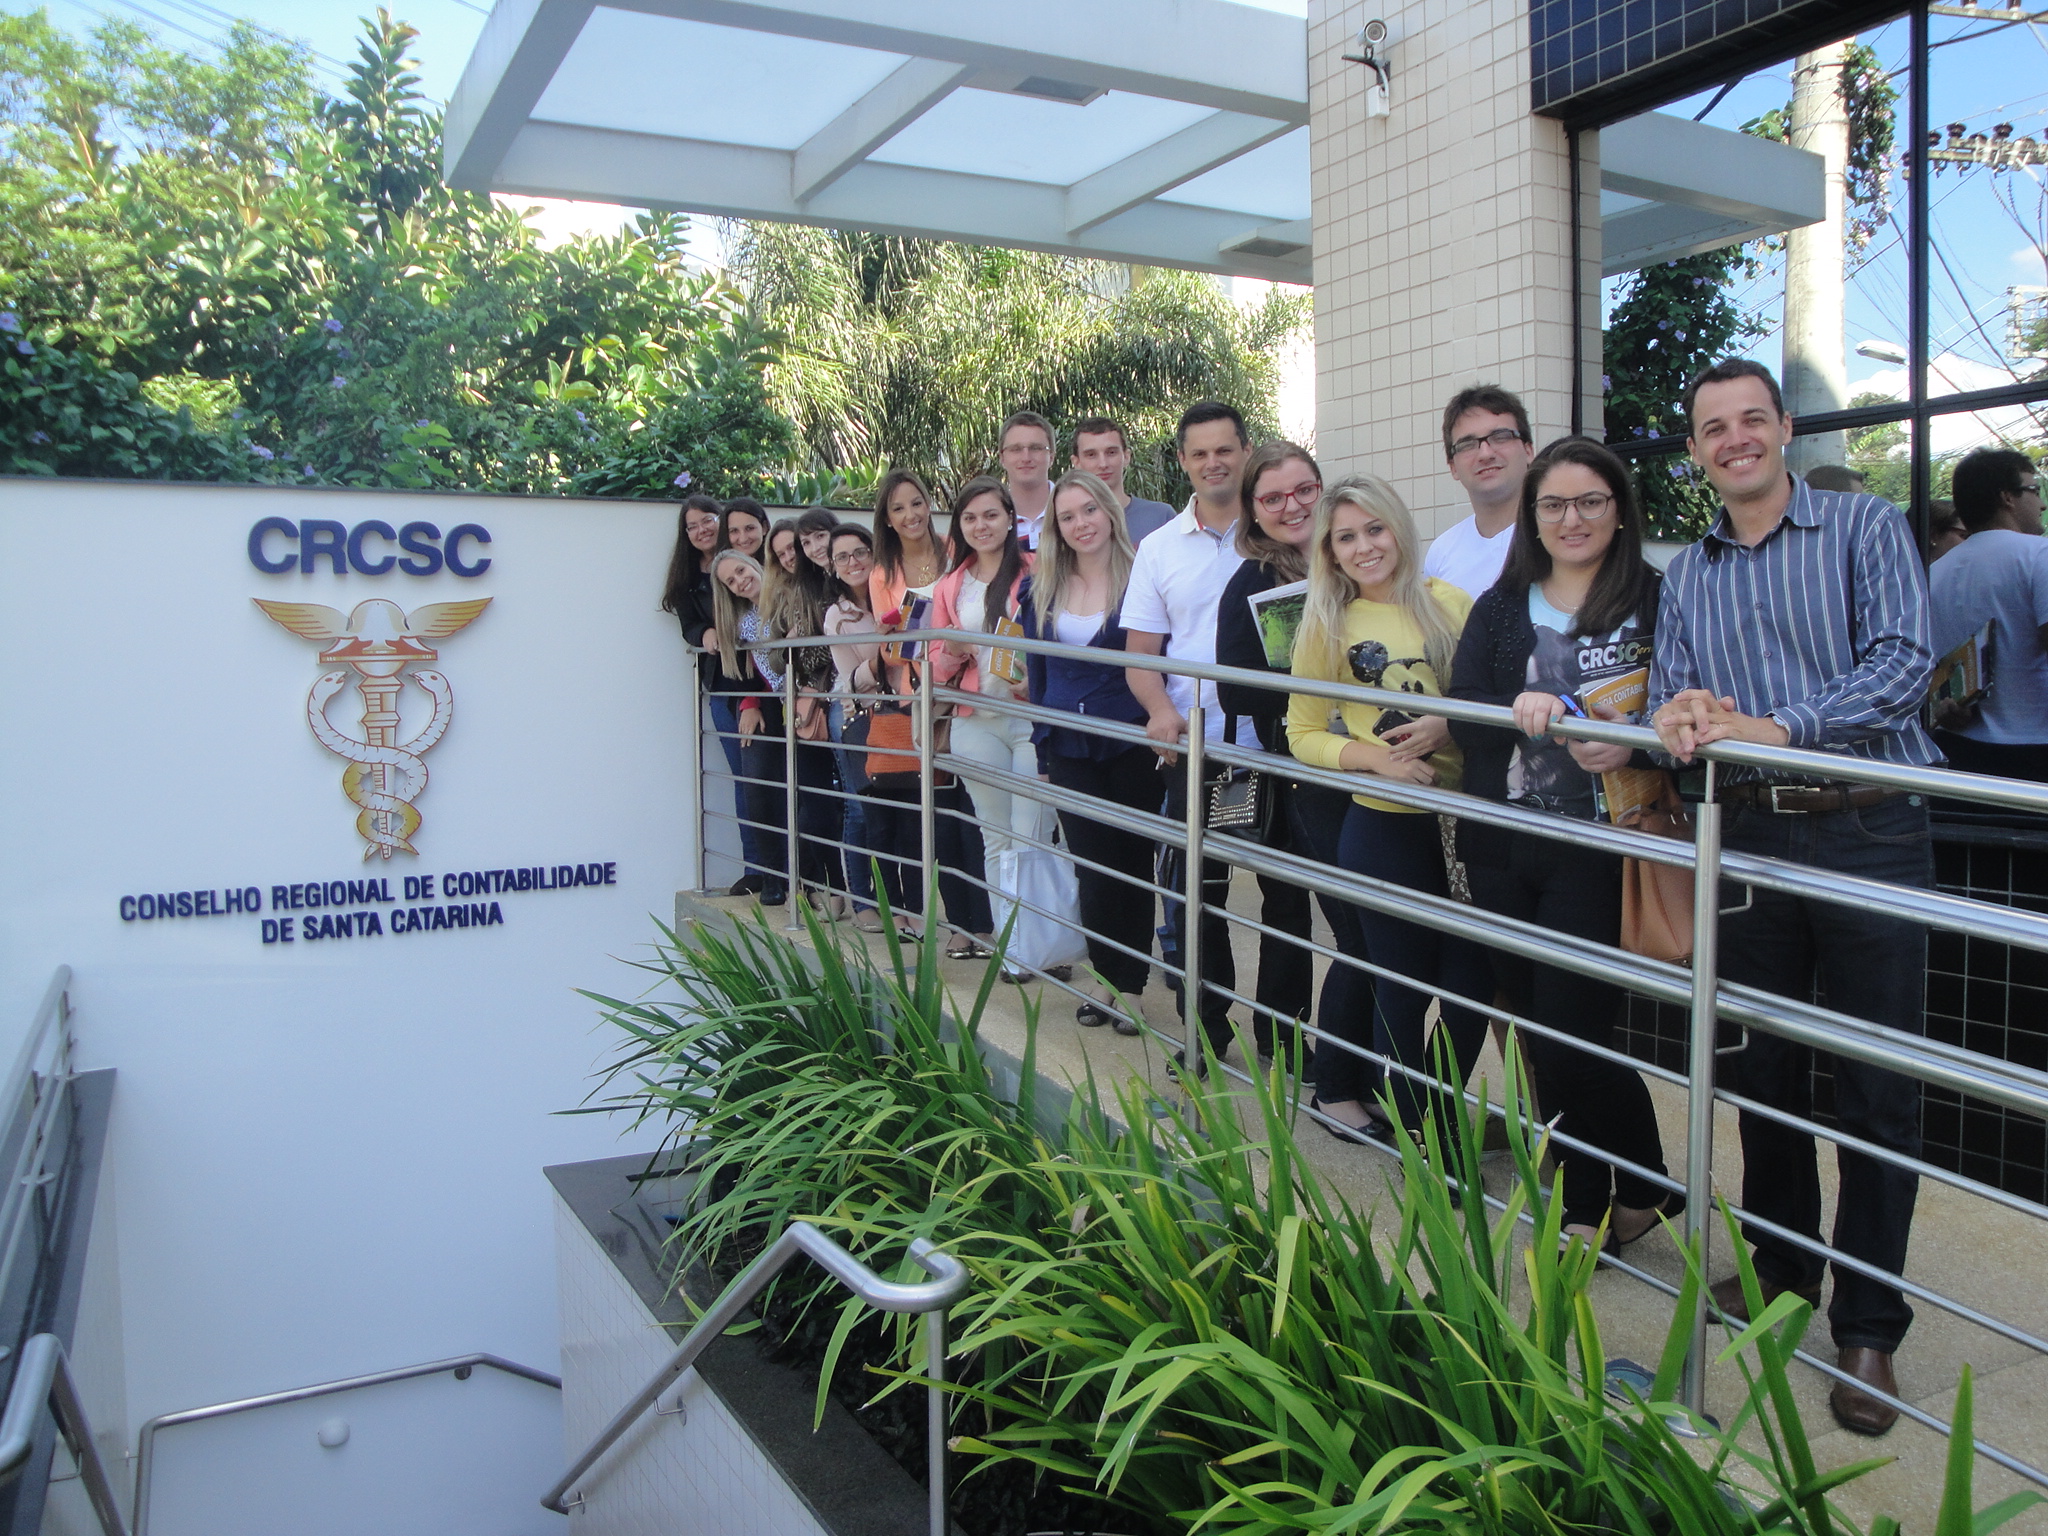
[(329, 1153)]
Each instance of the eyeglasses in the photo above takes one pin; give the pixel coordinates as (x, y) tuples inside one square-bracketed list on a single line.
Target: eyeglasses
[(1302, 495), (852, 557), (1498, 438), (1030, 448), (1592, 506)]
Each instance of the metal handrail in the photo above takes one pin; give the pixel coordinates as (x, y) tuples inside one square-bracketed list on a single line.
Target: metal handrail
[(932, 1297), (1709, 999), (43, 1379), (461, 1365)]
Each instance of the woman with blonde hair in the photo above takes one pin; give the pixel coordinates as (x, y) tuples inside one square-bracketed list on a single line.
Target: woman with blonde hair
[(1372, 617), (1073, 596)]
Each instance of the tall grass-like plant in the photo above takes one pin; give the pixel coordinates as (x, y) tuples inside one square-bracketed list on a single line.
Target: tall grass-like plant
[(1171, 1315)]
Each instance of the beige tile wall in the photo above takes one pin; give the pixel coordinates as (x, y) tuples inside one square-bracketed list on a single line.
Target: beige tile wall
[(1442, 239)]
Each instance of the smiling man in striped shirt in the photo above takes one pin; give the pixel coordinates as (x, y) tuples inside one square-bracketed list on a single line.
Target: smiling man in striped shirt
[(1801, 620)]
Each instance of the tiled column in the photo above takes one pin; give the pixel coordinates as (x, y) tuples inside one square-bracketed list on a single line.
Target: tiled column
[(1442, 239)]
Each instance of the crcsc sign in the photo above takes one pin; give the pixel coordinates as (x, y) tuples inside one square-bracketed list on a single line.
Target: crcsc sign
[(277, 545)]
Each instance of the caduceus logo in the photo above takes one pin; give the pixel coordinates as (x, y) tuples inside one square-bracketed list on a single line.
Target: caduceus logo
[(379, 642)]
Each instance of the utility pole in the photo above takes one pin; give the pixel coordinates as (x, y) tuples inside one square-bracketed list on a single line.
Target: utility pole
[(1816, 373)]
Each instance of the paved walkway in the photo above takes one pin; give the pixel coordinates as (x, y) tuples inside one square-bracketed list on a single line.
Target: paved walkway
[(1990, 1258)]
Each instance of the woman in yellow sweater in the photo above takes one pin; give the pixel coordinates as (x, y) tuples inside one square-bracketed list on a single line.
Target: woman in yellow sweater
[(1372, 617)]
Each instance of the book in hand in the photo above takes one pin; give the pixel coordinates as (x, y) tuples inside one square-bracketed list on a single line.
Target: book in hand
[(1962, 681), (1277, 613)]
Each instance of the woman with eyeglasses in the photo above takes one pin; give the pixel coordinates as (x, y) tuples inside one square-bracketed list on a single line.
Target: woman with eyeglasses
[(1073, 596), (1278, 496), (1372, 617), (1282, 484), (1566, 630), (857, 681)]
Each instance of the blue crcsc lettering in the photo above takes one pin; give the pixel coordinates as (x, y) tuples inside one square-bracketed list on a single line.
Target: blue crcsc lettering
[(319, 537), (344, 549), (355, 548), (420, 539), (455, 537), (259, 559)]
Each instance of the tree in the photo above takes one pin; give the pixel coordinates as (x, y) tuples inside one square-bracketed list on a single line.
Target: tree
[(211, 273), (911, 352)]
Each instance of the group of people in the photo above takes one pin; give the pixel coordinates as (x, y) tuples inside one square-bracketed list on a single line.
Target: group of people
[(1801, 619)]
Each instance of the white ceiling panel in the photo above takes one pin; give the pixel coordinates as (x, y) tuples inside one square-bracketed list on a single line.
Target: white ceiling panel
[(1270, 181), (687, 79), (992, 133)]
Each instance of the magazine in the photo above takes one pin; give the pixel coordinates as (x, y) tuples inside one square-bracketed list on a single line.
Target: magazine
[(1962, 681), (1003, 662), (1277, 613)]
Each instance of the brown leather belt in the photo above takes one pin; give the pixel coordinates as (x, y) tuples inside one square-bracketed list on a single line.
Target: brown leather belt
[(1804, 798)]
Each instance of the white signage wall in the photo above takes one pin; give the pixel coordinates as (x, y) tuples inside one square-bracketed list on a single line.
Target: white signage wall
[(332, 800)]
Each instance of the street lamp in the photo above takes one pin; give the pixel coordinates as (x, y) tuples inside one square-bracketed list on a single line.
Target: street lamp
[(1881, 351)]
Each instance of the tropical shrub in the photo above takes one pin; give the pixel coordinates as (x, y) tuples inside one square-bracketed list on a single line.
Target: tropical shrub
[(1170, 1316)]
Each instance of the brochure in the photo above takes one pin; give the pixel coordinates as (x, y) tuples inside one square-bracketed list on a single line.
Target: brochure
[(1277, 613)]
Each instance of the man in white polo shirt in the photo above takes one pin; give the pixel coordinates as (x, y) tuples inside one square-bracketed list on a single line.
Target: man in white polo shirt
[(1102, 449), (1170, 610), (1486, 444), (1025, 448)]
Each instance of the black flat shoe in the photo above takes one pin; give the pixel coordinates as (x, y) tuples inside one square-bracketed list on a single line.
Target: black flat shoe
[(746, 885), (1673, 1207), (1355, 1135), (1091, 1015)]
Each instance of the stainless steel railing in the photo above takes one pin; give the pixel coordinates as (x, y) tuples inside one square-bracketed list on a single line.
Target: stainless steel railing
[(1698, 988), (35, 1098), (460, 1365), (802, 1239)]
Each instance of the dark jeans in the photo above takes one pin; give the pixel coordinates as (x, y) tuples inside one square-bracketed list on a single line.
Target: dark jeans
[(1287, 972), (898, 844), (1219, 966), (1115, 909), (725, 720), (817, 812), (1869, 967), (2000, 759), (1315, 823), (1573, 890), (1406, 849)]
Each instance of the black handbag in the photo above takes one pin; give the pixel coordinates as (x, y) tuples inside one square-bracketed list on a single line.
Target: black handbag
[(1242, 801)]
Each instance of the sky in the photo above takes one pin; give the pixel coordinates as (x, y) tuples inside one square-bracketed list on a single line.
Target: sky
[(1980, 75)]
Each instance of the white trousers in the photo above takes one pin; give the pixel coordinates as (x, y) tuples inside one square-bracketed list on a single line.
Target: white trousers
[(1001, 741)]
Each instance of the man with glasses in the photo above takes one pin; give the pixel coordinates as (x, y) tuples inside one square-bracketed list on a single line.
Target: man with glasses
[(1486, 444), (1102, 449), (1801, 620), (1025, 448), (1994, 585)]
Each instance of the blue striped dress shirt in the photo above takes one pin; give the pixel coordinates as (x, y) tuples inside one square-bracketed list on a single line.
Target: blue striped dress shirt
[(1823, 626)]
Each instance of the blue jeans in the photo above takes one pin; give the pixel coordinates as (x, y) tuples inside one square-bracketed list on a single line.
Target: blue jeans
[(1869, 967), (1406, 849), (753, 842), (853, 827)]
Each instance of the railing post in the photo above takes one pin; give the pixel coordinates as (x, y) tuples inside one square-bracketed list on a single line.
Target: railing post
[(927, 792), (1699, 1110), (794, 922), (693, 771), (935, 1417), (1191, 899)]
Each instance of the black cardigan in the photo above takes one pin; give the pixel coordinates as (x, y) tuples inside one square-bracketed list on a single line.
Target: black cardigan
[(1238, 645), (1492, 667), (699, 620)]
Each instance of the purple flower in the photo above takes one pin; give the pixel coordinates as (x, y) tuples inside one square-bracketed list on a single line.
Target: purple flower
[(581, 418), (1663, 325), (339, 382), (331, 326), (682, 481), (25, 347), (1607, 381), (1677, 473), (309, 471), (10, 322), (423, 422), (262, 452), (39, 438)]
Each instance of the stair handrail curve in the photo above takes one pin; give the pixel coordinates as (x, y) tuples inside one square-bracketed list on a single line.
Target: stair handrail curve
[(461, 1365), (43, 1379), (930, 1297)]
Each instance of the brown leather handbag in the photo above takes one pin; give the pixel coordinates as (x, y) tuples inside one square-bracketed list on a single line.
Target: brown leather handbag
[(1656, 899)]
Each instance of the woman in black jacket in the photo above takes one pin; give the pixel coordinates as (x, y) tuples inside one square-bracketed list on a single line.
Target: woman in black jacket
[(1566, 629), (1281, 486)]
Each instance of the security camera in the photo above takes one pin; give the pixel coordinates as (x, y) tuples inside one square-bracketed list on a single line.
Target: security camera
[(1372, 34), (1372, 37)]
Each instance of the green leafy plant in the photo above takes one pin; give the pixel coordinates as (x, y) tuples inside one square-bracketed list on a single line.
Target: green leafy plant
[(1171, 1316)]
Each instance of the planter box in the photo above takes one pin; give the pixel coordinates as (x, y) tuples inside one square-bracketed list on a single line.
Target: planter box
[(742, 1459)]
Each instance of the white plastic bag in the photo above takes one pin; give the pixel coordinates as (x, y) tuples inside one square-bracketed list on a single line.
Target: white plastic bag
[(1044, 880)]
